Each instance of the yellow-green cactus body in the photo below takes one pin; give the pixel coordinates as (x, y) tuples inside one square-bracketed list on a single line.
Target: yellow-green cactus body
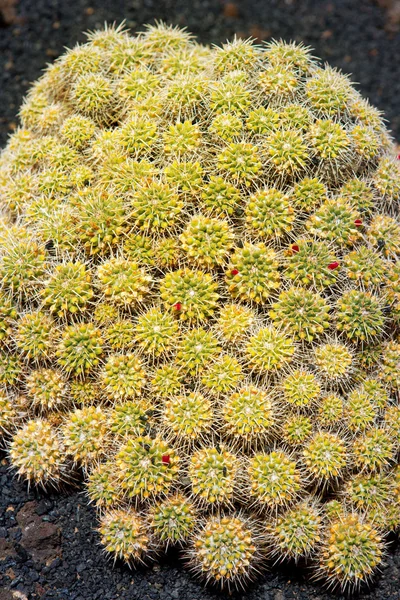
[(199, 301)]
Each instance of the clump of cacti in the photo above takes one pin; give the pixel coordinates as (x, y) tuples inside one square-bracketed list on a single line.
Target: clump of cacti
[(199, 303)]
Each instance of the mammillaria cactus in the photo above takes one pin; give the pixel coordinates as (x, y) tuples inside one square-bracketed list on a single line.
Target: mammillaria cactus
[(199, 303)]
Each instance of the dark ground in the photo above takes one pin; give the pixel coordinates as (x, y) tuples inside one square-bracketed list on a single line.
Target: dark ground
[(358, 36), (49, 550), (48, 547)]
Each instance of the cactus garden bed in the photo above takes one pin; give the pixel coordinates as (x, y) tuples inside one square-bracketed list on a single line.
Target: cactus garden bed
[(200, 312)]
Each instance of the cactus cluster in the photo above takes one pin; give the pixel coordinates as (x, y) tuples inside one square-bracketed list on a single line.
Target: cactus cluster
[(199, 303)]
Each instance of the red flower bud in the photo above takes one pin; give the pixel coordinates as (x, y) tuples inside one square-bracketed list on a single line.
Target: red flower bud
[(333, 265), (165, 459)]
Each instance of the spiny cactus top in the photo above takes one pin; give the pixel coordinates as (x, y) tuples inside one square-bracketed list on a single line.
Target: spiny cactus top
[(200, 302)]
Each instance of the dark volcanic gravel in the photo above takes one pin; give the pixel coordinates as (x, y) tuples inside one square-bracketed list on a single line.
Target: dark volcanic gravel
[(355, 35), (48, 544), (49, 549)]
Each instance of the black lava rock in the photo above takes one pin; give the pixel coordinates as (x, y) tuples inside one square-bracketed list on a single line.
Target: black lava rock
[(67, 562)]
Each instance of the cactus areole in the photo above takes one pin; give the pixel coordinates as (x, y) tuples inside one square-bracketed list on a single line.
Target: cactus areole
[(200, 303)]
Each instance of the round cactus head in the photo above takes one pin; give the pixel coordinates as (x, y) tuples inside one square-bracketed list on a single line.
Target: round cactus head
[(226, 550)]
